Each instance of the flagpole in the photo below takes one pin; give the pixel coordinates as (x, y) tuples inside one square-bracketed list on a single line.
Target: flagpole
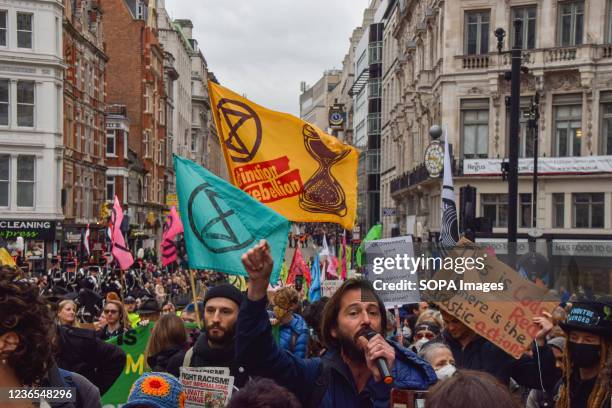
[(195, 302)]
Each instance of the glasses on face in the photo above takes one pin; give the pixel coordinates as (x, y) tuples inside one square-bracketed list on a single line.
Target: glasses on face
[(167, 311), (424, 334), (111, 311)]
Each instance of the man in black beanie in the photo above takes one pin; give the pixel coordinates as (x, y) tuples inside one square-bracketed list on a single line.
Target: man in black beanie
[(215, 346)]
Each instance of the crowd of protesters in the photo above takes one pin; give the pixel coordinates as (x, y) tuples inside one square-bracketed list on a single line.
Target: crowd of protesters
[(282, 350)]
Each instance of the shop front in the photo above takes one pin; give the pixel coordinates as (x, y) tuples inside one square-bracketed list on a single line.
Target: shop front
[(39, 241)]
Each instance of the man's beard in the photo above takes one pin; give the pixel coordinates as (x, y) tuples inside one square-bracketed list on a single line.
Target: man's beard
[(225, 338), (349, 348)]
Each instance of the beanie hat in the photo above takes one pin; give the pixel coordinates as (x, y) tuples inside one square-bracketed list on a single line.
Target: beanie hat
[(224, 290), (558, 342), (156, 390)]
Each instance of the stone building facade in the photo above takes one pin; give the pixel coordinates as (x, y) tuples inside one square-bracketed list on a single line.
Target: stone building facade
[(443, 67)]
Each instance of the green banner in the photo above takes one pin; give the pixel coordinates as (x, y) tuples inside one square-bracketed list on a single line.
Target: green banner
[(133, 343)]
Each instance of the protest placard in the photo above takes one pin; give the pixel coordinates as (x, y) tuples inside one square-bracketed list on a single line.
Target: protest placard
[(377, 253), (504, 318), (329, 287), (206, 387)]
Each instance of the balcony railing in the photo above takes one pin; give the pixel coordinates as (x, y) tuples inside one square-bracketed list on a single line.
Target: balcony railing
[(416, 176), (536, 58), (606, 51), (475, 61)]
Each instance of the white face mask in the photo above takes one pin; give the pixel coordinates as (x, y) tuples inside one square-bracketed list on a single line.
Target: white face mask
[(445, 372), (420, 344), (406, 331)]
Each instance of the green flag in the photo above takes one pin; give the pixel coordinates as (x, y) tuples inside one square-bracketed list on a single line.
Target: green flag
[(222, 222), (373, 234), (133, 343), (284, 273)]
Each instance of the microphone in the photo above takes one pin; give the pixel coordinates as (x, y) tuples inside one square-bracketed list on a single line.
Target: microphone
[(381, 363)]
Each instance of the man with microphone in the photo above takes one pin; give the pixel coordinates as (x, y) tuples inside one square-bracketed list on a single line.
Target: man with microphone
[(360, 367)]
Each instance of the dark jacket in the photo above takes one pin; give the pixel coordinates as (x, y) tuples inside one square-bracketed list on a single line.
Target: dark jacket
[(87, 394), (256, 348), (205, 356), (580, 391), (84, 353), (482, 355), (56, 378), (168, 360), (105, 334)]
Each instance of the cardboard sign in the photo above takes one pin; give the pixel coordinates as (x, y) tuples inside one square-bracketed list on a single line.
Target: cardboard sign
[(504, 318), (207, 387), (329, 287)]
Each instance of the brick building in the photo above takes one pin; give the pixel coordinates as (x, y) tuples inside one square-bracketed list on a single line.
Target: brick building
[(135, 80), (84, 168)]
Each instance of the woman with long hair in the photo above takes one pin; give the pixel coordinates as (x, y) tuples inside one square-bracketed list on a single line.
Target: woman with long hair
[(115, 320), (168, 342), (27, 334), (66, 313), (587, 371)]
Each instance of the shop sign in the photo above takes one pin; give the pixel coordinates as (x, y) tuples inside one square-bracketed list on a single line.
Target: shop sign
[(572, 247), (546, 165), (28, 229)]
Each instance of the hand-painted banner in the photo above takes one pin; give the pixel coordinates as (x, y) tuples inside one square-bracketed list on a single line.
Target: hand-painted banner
[(505, 317), (287, 164), (133, 343)]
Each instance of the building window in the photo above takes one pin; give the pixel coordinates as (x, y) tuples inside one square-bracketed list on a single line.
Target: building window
[(375, 52), (25, 181), (476, 35), (145, 142), (24, 30), (374, 120), (495, 208), (606, 123), (568, 131), (588, 210), (3, 28), (110, 188), (25, 103), (525, 217), (375, 87), (5, 179), (146, 187), (475, 128), (571, 23), (4, 102), (160, 151), (558, 202), (528, 32), (111, 143), (609, 29)]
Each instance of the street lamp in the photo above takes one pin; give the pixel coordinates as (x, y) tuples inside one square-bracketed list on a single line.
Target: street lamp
[(515, 94)]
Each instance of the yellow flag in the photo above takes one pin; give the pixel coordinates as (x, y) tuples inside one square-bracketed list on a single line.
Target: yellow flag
[(6, 258), (289, 165)]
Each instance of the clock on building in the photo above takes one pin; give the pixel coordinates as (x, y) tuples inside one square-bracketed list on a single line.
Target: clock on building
[(434, 158)]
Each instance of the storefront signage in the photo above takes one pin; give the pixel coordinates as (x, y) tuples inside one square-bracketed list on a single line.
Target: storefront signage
[(28, 229), (572, 247), (546, 165)]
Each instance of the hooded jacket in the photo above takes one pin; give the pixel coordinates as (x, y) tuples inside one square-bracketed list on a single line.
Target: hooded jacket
[(256, 348)]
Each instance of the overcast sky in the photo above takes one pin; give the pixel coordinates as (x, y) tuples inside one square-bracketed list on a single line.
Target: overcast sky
[(265, 48)]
